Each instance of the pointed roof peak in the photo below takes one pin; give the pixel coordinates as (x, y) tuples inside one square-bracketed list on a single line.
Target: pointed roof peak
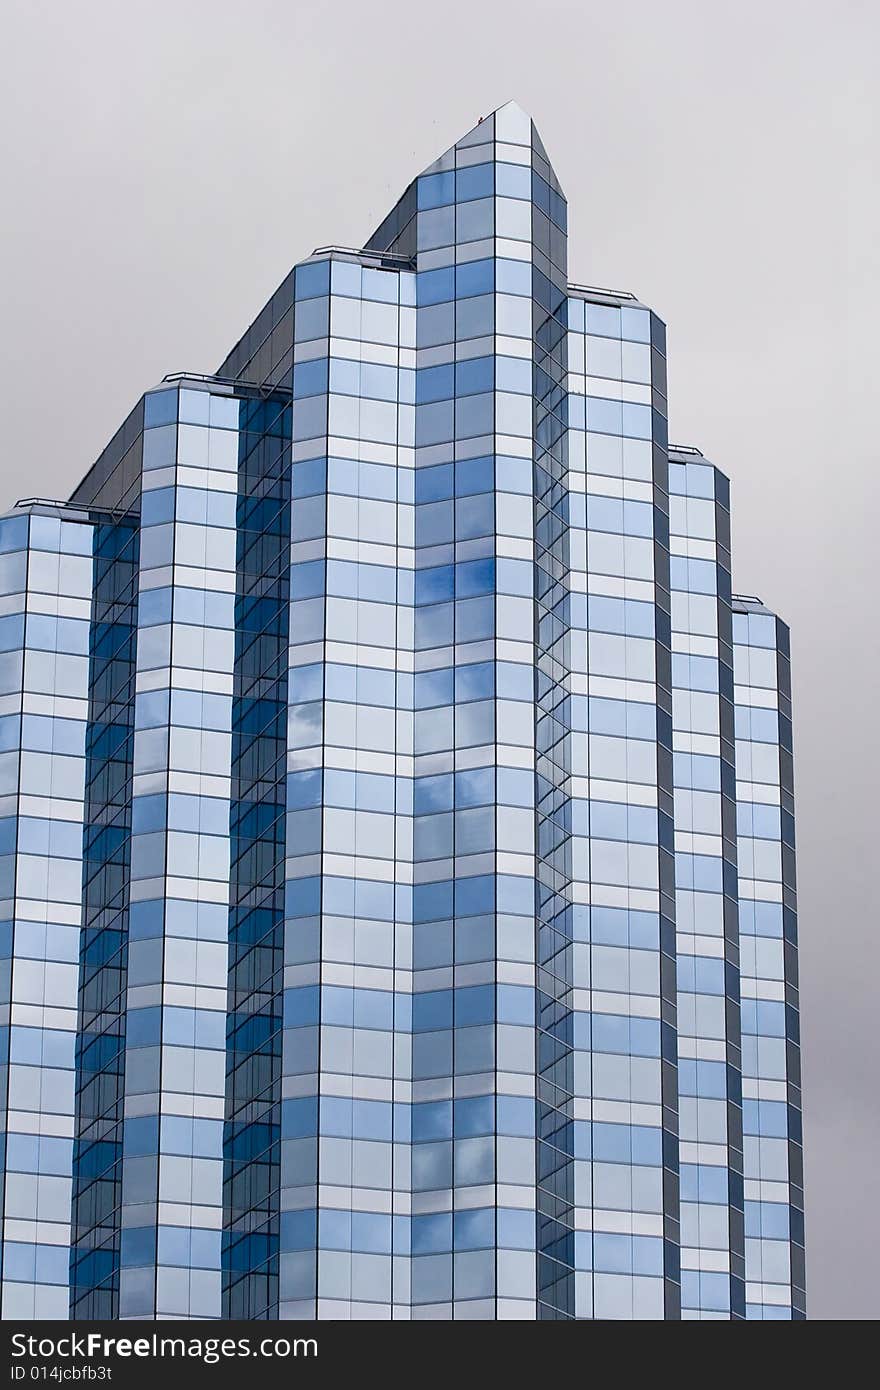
[(512, 105), (507, 124), (507, 134)]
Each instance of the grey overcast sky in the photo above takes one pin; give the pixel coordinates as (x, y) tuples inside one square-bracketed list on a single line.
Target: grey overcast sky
[(165, 163)]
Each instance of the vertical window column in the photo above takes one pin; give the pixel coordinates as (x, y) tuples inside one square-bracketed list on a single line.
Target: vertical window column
[(172, 1191), (626, 1172), (772, 1133), (301, 1010), (707, 936), (100, 1060), (45, 581), (257, 830)]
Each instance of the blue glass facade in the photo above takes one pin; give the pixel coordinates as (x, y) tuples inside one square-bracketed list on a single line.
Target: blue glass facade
[(387, 818)]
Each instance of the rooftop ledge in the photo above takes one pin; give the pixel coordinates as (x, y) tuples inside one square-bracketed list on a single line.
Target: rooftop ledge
[(386, 260)]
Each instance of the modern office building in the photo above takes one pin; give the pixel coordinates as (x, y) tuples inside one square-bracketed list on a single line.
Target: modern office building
[(398, 854)]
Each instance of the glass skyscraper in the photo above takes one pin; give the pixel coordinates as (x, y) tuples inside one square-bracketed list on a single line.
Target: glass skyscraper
[(398, 856)]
